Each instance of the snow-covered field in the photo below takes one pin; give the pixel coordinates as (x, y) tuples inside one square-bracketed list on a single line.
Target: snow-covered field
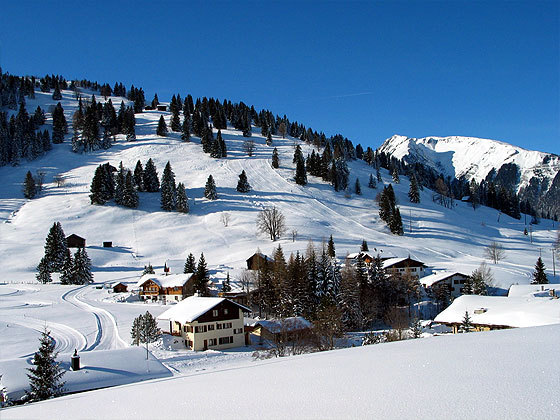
[(511, 374), (87, 318)]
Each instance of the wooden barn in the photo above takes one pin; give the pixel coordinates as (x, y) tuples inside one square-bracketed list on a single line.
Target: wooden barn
[(174, 287), (257, 260), (285, 329), (75, 241), (119, 287)]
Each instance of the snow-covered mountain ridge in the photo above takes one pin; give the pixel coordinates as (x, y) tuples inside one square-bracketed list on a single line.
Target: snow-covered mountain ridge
[(472, 157)]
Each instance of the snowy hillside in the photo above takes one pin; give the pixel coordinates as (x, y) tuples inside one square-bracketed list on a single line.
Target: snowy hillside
[(502, 374), (472, 157)]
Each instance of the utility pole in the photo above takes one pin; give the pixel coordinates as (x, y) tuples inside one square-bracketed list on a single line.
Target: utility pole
[(553, 263)]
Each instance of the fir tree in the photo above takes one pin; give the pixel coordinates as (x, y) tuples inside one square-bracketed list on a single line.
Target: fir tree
[(119, 185), (139, 176), (202, 277), (175, 120), (161, 127), (364, 247), (416, 328), (275, 159), (330, 248), (350, 306), (226, 286), (301, 173), (67, 273), (29, 187), (130, 196), (82, 267), (372, 183), (145, 330), (378, 174), (468, 286), (43, 272), (59, 124), (148, 269), (395, 175), (539, 275), (135, 331), (55, 248), (210, 189), (168, 189), (45, 377), (182, 200), (57, 95), (268, 139), (466, 325), (357, 187), (186, 128), (243, 185), (150, 177), (297, 154), (413, 193), (190, 264), (395, 224)]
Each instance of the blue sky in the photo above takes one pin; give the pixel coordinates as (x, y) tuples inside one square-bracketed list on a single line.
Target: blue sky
[(367, 70)]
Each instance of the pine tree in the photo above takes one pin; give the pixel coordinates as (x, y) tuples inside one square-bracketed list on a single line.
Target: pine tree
[(130, 196), (364, 247), (275, 159), (226, 286), (268, 139), (161, 127), (395, 224), (371, 183), (481, 277), (416, 328), (466, 325), (182, 200), (468, 286), (395, 175), (186, 128), (378, 174), (175, 120), (150, 177), (539, 275), (243, 185), (357, 187), (148, 269), (190, 264), (55, 248), (29, 187), (82, 267), (59, 124), (350, 306), (330, 248), (57, 95), (168, 189), (301, 173), (67, 273), (202, 277), (145, 330), (298, 154), (210, 189), (135, 331), (413, 193), (43, 272), (45, 377), (119, 185), (139, 176)]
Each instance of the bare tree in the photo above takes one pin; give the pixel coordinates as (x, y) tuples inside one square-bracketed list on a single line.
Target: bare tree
[(327, 327), (495, 252), (249, 147), (442, 194), (272, 222), (225, 218), (40, 179), (248, 280), (282, 129), (59, 180), (399, 320)]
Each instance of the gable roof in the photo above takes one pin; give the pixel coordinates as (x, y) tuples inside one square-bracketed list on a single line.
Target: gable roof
[(393, 261), (430, 280), (192, 307), (171, 280), (74, 236), (362, 253), (260, 254)]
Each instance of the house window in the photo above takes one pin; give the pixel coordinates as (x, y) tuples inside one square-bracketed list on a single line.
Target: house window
[(215, 313), (211, 327), (219, 326), (226, 340), (225, 325), (213, 342), (225, 311), (237, 330), (200, 329), (189, 328)]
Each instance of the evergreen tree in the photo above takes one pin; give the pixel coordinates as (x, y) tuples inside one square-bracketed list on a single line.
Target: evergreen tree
[(350, 306), (168, 189), (330, 248), (275, 159), (119, 185), (243, 185), (378, 174), (395, 175), (43, 272), (139, 176), (539, 275), (55, 248), (145, 330), (59, 124), (466, 325), (182, 200), (57, 95), (301, 173), (130, 196), (481, 277), (202, 277), (175, 120), (45, 377), (210, 189), (413, 193), (395, 224), (468, 286), (190, 264), (186, 128), (357, 187), (135, 331), (372, 183), (29, 187), (298, 154), (268, 138), (364, 247), (150, 177), (82, 267), (148, 269), (226, 286), (67, 273), (162, 127)]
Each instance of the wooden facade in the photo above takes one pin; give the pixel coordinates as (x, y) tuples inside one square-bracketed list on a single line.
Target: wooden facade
[(120, 288), (151, 289), (257, 260), (75, 241)]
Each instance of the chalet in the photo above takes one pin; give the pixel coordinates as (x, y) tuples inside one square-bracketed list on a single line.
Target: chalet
[(453, 281), (119, 287), (206, 322), (257, 260), (285, 329), (75, 241), (162, 107), (403, 265), (500, 312), (173, 287), (366, 257)]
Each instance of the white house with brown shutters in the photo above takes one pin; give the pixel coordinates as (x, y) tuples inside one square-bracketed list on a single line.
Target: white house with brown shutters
[(403, 265), (206, 322)]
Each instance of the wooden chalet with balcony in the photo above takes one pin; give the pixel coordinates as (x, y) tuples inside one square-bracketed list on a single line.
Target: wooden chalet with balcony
[(171, 287)]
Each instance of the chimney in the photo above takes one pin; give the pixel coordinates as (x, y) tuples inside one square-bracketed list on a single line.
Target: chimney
[(75, 362)]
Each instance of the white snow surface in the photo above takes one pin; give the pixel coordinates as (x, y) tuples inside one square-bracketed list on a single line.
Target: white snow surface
[(533, 290), (503, 310), (512, 374), (472, 157)]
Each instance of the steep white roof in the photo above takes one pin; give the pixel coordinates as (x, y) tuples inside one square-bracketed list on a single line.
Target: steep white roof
[(428, 281), (536, 290), (171, 280), (392, 261), (191, 308), (506, 311)]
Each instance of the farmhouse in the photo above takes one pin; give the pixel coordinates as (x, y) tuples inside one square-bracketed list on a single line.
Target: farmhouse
[(403, 265), (207, 322), (452, 280), (366, 257), (75, 241), (257, 260), (499, 312), (285, 329), (174, 287), (119, 287)]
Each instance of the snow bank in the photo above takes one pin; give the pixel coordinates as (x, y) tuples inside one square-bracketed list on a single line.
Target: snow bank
[(455, 377)]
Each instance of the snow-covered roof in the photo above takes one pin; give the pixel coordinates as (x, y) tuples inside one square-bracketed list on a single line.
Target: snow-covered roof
[(429, 281), (286, 324), (535, 290), (503, 311), (363, 254), (260, 254), (192, 307), (392, 261), (171, 280)]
